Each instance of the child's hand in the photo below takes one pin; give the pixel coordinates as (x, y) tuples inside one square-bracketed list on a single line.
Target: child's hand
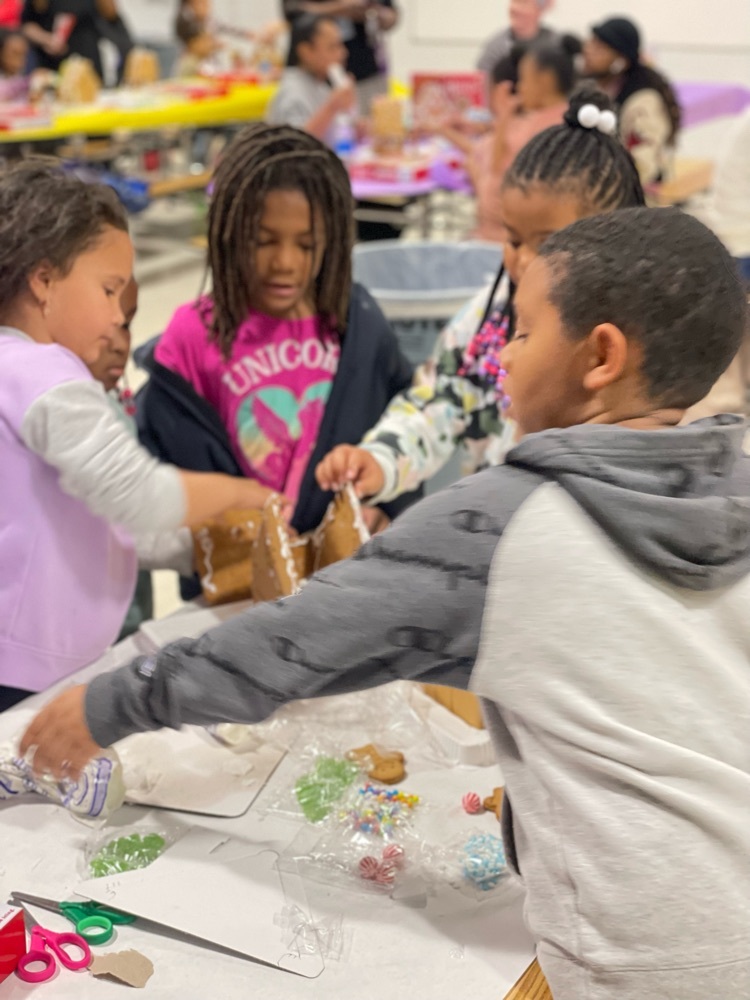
[(357, 466), (64, 745), (375, 519), (253, 496)]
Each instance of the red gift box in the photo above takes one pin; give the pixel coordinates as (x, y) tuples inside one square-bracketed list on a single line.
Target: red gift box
[(12, 940)]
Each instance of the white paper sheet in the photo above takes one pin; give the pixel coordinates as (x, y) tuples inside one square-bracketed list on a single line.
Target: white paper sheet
[(215, 888)]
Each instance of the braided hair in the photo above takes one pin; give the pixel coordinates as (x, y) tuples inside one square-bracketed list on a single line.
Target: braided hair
[(574, 160), (265, 158)]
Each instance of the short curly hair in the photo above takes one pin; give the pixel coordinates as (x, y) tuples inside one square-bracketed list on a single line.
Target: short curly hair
[(666, 281), (48, 216)]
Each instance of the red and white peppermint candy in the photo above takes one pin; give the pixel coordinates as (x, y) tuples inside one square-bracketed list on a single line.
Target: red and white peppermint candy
[(369, 868), (386, 874), (394, 855), (472, 803)]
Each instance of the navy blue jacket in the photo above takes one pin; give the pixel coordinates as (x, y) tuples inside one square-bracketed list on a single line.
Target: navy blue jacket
[(179, 426)]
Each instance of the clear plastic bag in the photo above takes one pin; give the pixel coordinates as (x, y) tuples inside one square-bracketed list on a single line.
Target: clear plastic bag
[(124, 850), (95, 795)]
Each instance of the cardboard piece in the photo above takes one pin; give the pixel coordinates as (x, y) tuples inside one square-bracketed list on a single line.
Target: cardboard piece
[(217, 889), (129, 967), (253, 553), (12, 939), (187, 771), (462, 703)]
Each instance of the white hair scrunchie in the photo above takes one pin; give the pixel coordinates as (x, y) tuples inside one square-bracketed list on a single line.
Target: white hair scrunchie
[(589, 116)]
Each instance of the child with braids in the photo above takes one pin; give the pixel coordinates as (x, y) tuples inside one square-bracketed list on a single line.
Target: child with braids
[(285, 358), (80, 498), (567, 172)]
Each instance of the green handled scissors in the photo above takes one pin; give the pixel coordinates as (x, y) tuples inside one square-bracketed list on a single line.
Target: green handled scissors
[(95, 923)]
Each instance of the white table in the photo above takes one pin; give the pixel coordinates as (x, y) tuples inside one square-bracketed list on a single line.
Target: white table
[(469, 949)]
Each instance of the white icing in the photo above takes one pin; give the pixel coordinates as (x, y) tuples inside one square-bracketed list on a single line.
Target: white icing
[(207, 547), (359, 523)]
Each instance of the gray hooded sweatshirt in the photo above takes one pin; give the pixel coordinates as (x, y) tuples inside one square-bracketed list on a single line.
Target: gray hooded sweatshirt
[(595, 592)]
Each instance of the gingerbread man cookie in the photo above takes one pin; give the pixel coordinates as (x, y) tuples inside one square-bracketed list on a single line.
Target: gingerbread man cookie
[(385, 766), (494, 803)]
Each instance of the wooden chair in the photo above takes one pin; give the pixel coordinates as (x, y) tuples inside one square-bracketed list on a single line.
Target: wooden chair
[(531, 986)]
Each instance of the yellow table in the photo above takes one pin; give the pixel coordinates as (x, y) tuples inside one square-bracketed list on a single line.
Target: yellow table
[(242, 102)]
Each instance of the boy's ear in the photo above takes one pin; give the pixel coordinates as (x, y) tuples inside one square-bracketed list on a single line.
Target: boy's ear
[(607, 357)]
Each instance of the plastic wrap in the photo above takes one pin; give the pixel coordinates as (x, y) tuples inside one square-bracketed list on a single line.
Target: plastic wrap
[(127, 850), (97, 793), (305, 936)]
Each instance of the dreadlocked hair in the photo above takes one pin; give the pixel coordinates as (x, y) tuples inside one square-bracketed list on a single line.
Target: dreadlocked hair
[(265, 158), (570, 159)]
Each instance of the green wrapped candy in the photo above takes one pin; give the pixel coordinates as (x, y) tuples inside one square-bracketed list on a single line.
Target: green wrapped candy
[(126, 854), (317, 791)]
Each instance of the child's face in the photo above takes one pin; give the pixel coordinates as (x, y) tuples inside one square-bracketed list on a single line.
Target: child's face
[(109, 367), (287, 256), (546, 369), (325, 50), (531, 216), (598, 57), (201, 9), (80, 309), (14, 56), (534, 85)]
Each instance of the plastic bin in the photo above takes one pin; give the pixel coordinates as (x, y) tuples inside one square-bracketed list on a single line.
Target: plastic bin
[(420, 286)]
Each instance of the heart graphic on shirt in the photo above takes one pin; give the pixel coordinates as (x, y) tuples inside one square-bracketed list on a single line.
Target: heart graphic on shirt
[(274, 421)]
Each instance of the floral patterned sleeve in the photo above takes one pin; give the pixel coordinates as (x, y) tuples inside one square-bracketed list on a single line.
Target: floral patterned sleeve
[(420, 430)]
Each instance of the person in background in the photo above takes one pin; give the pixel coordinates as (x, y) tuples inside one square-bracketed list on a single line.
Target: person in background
[(285, 358), (647, 105), (201, 35), (567, 172), (728, 208), (14, 54), (526, 26), (88, 22), (546, 76), (363, 24), (193, 32), (109, 369), (305, 98)]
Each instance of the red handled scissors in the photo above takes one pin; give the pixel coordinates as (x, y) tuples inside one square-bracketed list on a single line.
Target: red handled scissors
[(47, 948)]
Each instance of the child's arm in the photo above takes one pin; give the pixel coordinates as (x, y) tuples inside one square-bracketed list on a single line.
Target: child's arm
[(167, 550), (419, 431), (427, 576), (74, 429), (341, 100)]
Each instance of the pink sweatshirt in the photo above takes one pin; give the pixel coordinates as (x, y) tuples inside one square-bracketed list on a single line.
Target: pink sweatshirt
[(270, 394)]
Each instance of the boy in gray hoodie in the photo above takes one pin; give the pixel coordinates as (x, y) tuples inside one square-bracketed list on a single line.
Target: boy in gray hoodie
[(594, 591)]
